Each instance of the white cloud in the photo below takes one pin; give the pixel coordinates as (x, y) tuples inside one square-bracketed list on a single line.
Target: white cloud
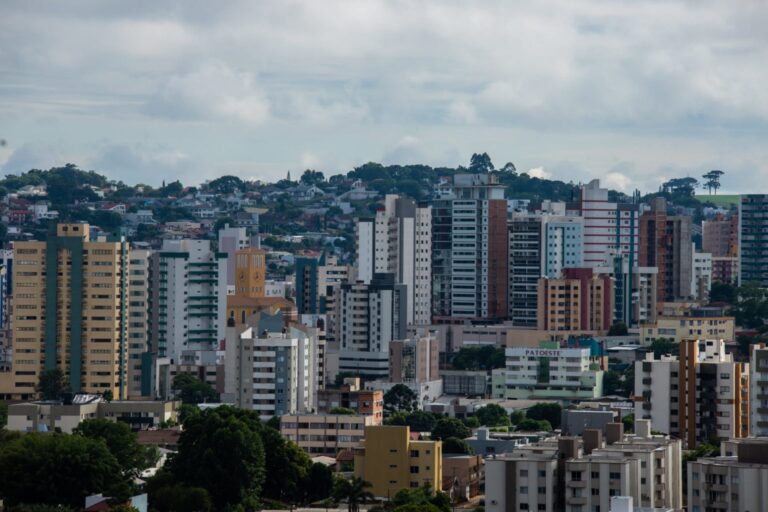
[(539, 172), (617, 181), (408, 150)]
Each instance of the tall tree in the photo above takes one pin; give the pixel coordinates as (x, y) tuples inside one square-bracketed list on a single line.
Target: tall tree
[(58, 469), (122, 442), (712, 180), (400, 398), (551, 412), (480, 162), (450, 427), (51, 385), (192, 390), (221, 451), (354, 491), (493, 415)]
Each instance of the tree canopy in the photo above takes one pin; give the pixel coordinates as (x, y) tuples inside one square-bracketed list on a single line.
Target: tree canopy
[(121, 442), (192, 390), (552, 412), (400, 398), (450, 427), (492, 415), (486, 357)]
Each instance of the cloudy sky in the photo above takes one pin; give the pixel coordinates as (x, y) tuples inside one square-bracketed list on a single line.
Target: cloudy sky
[(630, 92)]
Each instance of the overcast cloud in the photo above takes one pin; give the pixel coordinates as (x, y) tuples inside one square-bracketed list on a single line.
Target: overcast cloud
[(631, 92)]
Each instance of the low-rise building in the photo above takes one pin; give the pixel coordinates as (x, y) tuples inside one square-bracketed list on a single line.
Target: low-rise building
[(462, 476), (554, 373), (699, 324), (326, 434), (56, 415), (350, 396), (572, 473), (391, 461), (730, 482), (465, 382)]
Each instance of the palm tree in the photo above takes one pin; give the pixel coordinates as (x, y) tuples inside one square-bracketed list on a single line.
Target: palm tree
[(354, 491)]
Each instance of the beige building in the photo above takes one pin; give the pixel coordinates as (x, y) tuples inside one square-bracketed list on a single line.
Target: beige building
[(70, 311), (734, 481), (326, 434), (51, 416), (250, 272), (678, 328), (580, 300), (391, 461), (414, 360)]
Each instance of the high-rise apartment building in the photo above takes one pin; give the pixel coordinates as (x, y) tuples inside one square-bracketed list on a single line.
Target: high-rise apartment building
[(271, 367), (188, 297), (666, 243), (470, 251), (720, 236), (139, 362), (753, 239), (250, 272), (701, 395), (580, 300), (231, 240), (610, 228), (541, 244), (372, 315), (634, 290), (398, 241), (70, 311), (701, 275), (758, 392)]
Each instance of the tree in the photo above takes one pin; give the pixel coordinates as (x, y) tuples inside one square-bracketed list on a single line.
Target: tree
[(552, 412), (221, 451), (400, 398), (122, 443), (683, 187), (723, 292), (420, 421), (712, 180), (664, 346), (311, 177), (486, 357), (612, 383), (287, 467), (471, 422), (456, 445), (493, 415), (516, 417), (319, 482), (618, 329), (480, 163), (58, 469), (421, 499), (629, 422), (226, 185), (450, 427), (192, 390), (187, 411), (531, 425), (3, 414), (51, 385), (222, 223), (173, 189), (354, 491), (342, 411)]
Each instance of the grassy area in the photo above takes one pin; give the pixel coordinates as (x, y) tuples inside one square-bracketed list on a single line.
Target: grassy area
[(725, 200)]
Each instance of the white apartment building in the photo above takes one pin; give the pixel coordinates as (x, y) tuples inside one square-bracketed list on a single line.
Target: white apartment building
[(398, 240), (701, 275), (605, 223), (271, 368), (231, 240), (372, 315), (552, 373), (138, 328), (700, 395), (758, 380), (735, 481), (575, 474), (189, 288)]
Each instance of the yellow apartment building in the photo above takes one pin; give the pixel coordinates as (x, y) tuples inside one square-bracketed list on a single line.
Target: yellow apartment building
[(679, 328), (391, 461), (70, 312)]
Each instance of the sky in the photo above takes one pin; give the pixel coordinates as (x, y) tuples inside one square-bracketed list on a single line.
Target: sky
[(631, 92)]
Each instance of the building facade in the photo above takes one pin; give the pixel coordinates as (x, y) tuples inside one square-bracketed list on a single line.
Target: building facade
[(414, 360), (701, 395), (372, 315), (470, 251), (758, 392), (579, 300), (325, 434), (753, 239), (666, 243), (391, 461), (71, 297), (610, 228), (188, 301), (139, 362)]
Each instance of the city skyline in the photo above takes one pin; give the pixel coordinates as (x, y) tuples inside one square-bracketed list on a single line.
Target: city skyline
[(633, 93)]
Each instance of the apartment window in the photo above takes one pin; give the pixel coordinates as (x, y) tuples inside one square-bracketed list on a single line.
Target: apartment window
[(523, 506), (595, 492), (615, 476), (414, 470), (542, 490), (523, 472), (414, 453), (524, 490), (542, 473), (595, 474)]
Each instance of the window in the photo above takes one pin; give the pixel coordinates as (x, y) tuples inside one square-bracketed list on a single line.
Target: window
[(615, 476), (414, 470), (523, 472), (524, 490)]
